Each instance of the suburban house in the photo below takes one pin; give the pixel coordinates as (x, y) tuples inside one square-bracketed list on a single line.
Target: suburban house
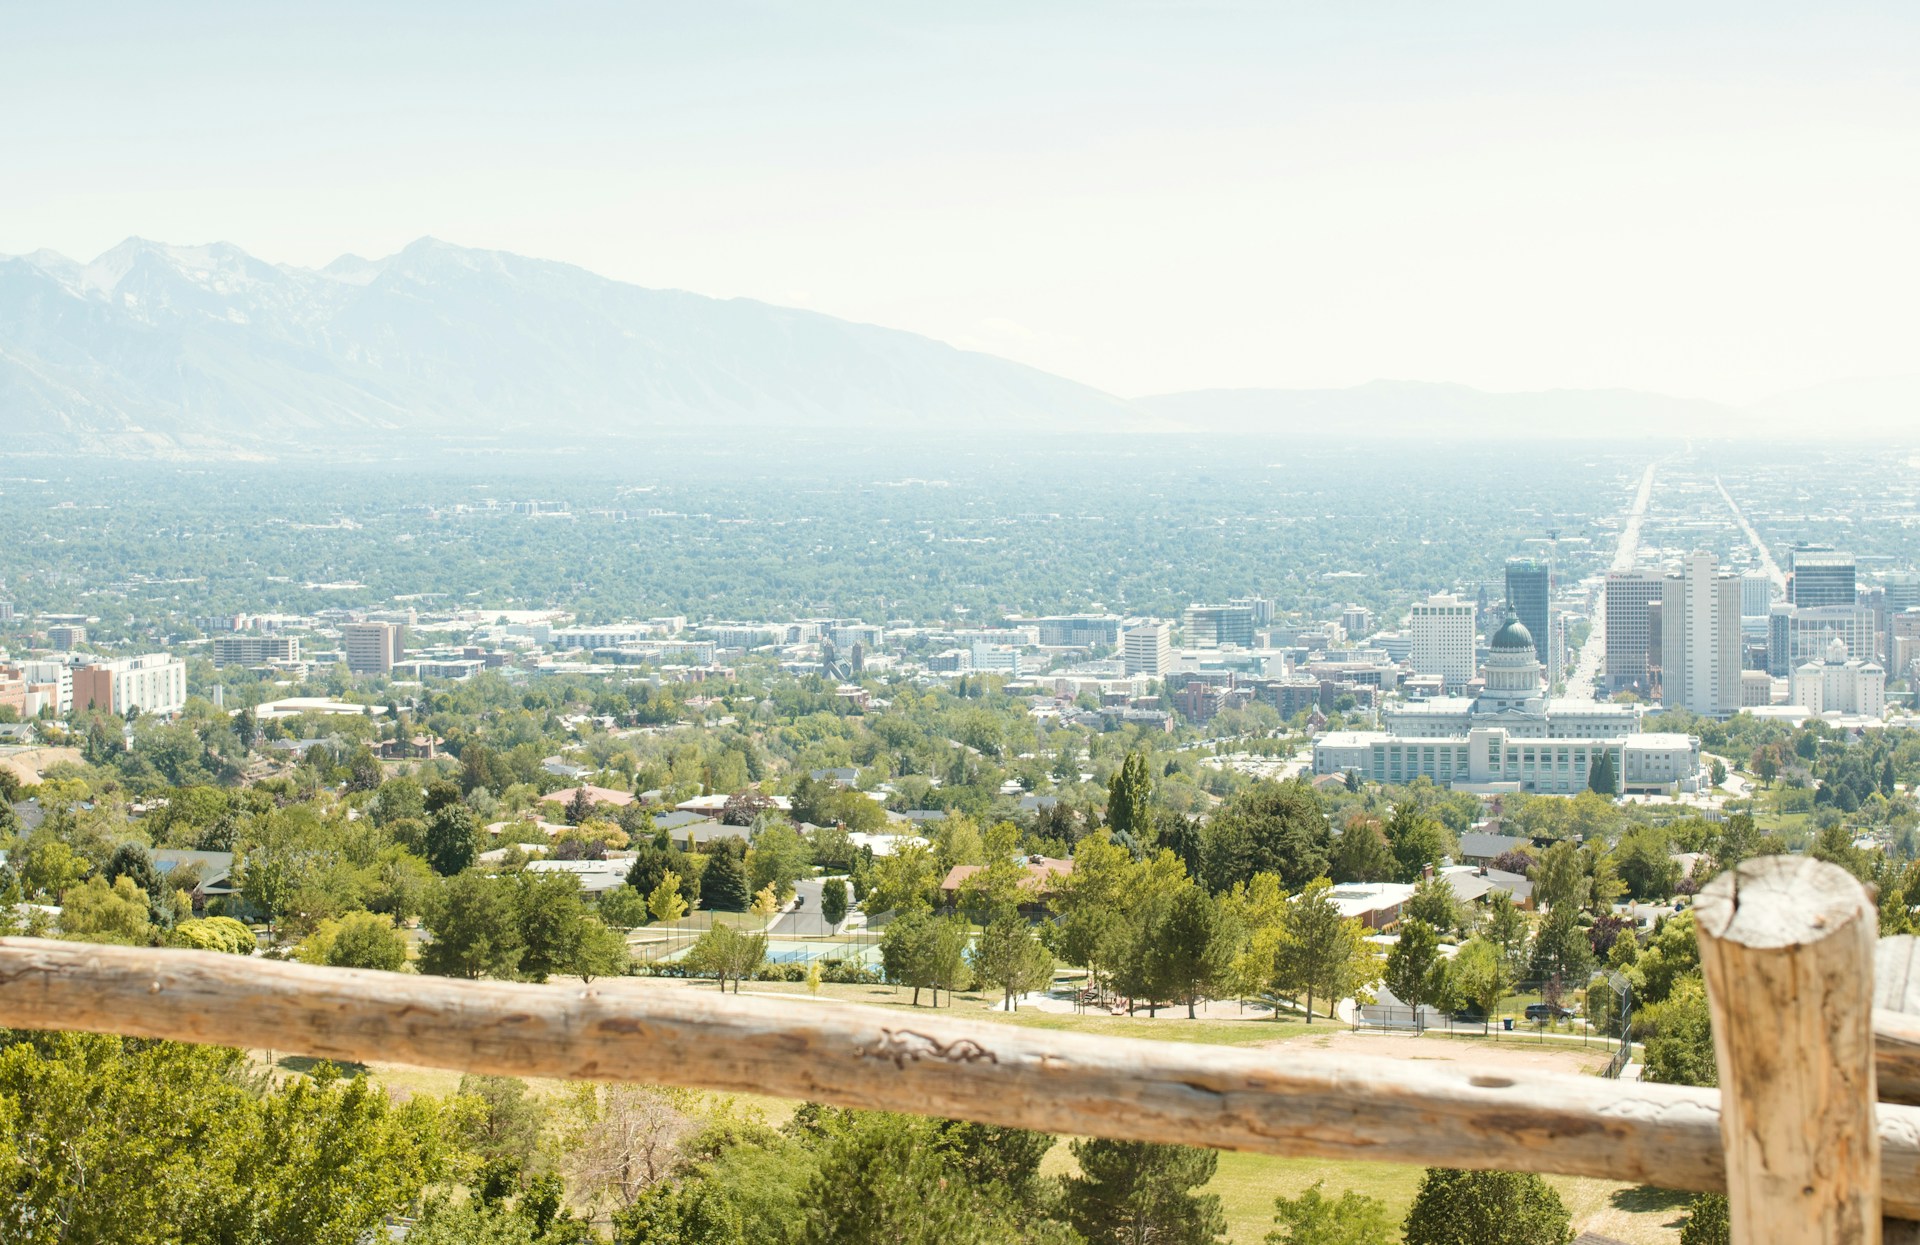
[(595, 795), (1480, 848), (1042, 878), (1375, 905)]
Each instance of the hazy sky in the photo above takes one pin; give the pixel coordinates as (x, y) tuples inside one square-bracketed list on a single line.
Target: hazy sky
[(1718, 200)]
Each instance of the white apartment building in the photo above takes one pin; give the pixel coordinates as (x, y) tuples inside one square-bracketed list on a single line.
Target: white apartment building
[(1700, 639), (373, 647), (1443, 640), (155, 683), (254, 650), (1149, 649)]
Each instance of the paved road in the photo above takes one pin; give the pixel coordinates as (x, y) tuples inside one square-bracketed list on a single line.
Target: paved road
[(804, 917), (1767, 563), (1586, 670)]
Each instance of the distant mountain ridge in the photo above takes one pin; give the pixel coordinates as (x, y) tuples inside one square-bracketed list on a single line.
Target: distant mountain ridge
[(1417, 408), (154, 350), (205, 350)]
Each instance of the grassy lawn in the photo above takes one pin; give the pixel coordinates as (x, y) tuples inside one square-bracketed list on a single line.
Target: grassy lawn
[(1170, 1026)]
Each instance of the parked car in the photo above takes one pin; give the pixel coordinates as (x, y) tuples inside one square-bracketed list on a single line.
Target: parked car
[(1547, 1011)]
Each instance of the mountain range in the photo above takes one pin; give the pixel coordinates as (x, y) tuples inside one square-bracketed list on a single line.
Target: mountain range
[(154, 350)]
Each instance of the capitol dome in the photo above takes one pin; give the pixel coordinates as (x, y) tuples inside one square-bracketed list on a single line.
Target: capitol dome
[(1512, 637)]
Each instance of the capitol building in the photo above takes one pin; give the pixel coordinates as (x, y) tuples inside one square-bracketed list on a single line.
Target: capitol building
[(1513, 737)]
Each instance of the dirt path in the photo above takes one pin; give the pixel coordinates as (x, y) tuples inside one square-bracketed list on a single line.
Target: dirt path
[(28, 764)]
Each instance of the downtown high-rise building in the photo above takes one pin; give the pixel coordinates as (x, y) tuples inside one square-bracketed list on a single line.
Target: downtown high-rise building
[(1796, 636), (1444, 640), (1756, 595), (372, 647), (1700, 652), (1217, 626), (1820, 575), (1147, 648), (1530, 598), (1628, 628)]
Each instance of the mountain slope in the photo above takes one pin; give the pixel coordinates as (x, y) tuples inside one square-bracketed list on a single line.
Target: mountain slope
[(206, 350)]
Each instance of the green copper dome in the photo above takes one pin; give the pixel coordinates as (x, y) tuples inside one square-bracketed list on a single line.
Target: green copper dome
[(1512, 637)]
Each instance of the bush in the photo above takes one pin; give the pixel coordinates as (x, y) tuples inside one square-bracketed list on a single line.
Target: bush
[(214, 933)]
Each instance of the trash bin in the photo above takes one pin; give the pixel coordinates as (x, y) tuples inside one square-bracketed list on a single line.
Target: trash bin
[(1506, 1022)]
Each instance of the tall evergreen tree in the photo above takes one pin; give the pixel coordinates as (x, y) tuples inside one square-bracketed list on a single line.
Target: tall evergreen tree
[(1188, 946), (1131, 1191), (724, 885), (1601, 778), (1129, 799)]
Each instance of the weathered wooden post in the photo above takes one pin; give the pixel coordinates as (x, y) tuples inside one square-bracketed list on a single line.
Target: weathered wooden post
[(1786, 945)]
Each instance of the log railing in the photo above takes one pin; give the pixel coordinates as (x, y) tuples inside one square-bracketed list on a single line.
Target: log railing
[(1795, 1134)]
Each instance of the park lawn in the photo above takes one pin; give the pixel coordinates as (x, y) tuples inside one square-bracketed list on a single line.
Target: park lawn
[(1170, 1026), (1248, 1183), (1249, 1032)]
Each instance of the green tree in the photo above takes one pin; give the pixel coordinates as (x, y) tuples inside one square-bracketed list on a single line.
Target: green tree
[(833, 902), (902, 878), (906, 950), (1435, 902), (505, 1122), (1010, 959), (666, 903), (727, 954), (1561, 948), (1130, 799), (149, 1143), (1320, 953), (1508, 929), (1417, 841), (473, 928), (214, 933), (945, 964), (1680, 1052), (1268, 827), (723, 886), (1313, 1218), (651, 862), (97, 912), (625, 907), (883, 1180), (1415, 972), (1138, 1191), (1479, 975), (1644, 858), (356, 940), (1486, 1208), (452, 839), (1560, 877), (1189, 946), (779, 856), (1601, 778), (1708, 1221), (1361, 854)]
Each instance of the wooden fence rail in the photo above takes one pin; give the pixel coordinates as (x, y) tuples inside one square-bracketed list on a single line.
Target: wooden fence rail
[(1283, 1103)]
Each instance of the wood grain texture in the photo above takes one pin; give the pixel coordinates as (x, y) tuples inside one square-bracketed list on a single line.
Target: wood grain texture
[(1896, 974), (1269, 1102), (1896, 1056), (1787, 948)]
